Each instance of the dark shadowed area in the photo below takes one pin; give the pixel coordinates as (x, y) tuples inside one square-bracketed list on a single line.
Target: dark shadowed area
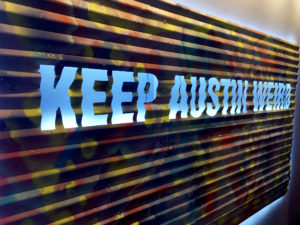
[(281, 19)]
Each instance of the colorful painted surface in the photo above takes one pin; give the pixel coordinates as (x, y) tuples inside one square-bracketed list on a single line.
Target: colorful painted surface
[(216, 170)]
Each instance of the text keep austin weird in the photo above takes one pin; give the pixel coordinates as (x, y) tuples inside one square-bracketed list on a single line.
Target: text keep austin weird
[(54, 98)]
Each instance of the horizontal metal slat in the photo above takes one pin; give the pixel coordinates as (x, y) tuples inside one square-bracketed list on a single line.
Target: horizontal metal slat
[(24, 10)]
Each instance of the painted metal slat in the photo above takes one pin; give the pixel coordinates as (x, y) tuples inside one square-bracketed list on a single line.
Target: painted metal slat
[(206, 170)]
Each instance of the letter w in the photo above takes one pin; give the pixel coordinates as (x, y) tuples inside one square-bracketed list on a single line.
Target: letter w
[(259, 95)]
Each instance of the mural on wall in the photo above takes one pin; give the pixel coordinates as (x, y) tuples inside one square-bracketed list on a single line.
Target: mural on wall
[(140, 112)]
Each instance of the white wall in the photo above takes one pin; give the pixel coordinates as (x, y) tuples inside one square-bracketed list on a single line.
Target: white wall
[(280, 18)]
